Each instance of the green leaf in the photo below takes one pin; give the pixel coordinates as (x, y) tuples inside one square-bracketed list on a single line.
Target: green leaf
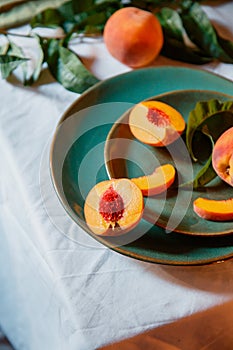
[(174, 44), (176, 50), (227, 45), (37, 63), (31, 68), (15, 50), (67, 68), (201, 31), (93, 19), (82, 6), (97, 15), (171, 23), (209, 118), (9, 63), (49, 18), (66, 10), (207, 173)]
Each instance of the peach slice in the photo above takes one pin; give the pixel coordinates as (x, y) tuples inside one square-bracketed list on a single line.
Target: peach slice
[(159, 181), (222, 156), (215, 210), (113, 207), (156, 123)]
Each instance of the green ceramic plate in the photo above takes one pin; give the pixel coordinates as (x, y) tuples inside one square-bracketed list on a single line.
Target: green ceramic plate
[(125, 157), (77, 160)]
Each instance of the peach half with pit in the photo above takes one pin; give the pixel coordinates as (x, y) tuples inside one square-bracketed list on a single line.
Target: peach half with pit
[(214, 210), (156, 123), (113, 207), (222, 156), (157, 182)]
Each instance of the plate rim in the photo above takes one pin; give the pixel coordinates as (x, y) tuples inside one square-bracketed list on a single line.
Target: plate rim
[(67, 113)]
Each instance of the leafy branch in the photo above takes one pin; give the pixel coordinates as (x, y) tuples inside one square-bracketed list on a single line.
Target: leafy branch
[(188, 36)]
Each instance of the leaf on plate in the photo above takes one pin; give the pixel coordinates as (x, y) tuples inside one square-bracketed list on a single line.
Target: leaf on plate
[(67, 68), (209, 118), (201, 31), (207, 173), (213, 114), (9, 63)]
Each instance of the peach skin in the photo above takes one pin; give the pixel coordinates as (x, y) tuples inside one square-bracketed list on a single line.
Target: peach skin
[(222, 156), (157, 182), (215, 210), (133, 36)]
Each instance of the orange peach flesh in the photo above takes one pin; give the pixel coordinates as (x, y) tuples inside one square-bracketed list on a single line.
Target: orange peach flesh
[(156, 123), (215, 210), (159, 181), (222, 156), (129, 217)]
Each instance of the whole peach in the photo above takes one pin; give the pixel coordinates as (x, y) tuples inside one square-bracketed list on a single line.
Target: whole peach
[(222, 156), (133, 36)]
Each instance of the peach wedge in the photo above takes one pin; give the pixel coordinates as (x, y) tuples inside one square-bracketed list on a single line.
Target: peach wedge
[(159, 181), (113, 207), (156, 123), (215, 210)]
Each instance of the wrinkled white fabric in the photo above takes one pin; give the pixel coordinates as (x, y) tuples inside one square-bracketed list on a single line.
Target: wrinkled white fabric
[(59, 292)]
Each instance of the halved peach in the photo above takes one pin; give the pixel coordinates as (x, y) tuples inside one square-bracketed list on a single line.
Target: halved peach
[(157, 182), (215, 210), (113, 207), (156, 123), (222, 156)]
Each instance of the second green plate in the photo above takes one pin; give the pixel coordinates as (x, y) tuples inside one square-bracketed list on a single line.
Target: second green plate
[(127, 157)]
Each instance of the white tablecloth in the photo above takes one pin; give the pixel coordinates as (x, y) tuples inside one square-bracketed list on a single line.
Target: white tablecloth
[(57, 292)]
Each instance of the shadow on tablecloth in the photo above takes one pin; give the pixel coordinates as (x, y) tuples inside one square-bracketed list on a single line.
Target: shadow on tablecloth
[(4, 344), (207, 330)]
